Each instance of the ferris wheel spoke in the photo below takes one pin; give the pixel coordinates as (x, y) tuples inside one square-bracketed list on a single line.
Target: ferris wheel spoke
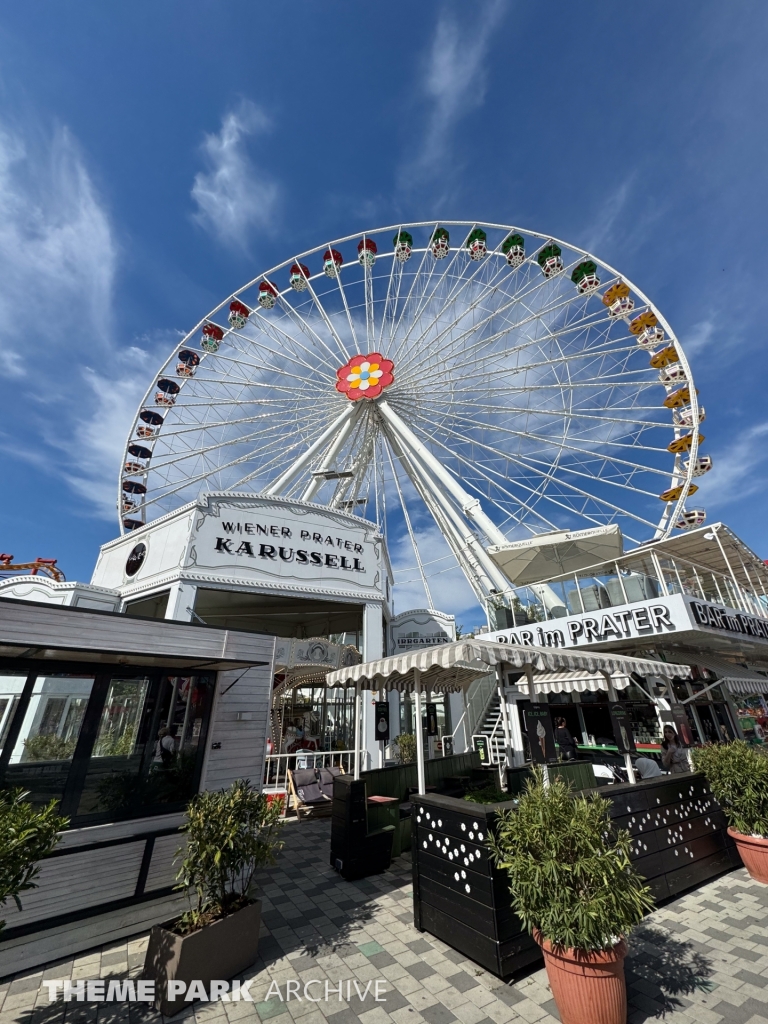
[(343, 294), (422, 300), (270, 327), (392, 295), (513, 300), (565, 446), (462, 284), (415, 277), (496, 354), (240, 439), (409, 526), (331, 358), (438, 405), (567, 485)]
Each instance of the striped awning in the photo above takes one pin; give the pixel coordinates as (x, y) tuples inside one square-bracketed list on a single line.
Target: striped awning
[(453, 667), (570, 682), (737, 678)]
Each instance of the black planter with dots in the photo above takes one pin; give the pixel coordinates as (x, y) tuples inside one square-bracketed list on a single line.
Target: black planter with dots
[(679, 841)]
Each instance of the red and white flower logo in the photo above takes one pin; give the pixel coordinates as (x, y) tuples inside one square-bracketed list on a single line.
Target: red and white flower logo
[(365, 376)]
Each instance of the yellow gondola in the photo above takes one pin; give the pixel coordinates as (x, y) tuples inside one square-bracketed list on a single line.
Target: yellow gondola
[(665, 357), (680, 397), (643, 322), (674, 492), (682, 444)]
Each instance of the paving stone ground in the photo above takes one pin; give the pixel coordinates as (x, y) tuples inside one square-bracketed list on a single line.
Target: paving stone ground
[(702, 958)]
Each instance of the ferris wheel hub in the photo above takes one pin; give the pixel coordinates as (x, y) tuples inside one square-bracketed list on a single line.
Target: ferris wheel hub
[(365, 376)]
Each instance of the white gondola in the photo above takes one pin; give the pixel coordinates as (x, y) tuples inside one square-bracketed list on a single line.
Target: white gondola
[(691, 518)]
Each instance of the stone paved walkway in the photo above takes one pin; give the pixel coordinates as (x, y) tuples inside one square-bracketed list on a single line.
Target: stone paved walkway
[(702, 958)]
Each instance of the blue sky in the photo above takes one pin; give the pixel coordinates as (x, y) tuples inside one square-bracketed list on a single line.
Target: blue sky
[(155, 156)]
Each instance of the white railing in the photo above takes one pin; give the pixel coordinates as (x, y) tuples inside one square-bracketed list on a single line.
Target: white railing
[(478, 698), (276, 766)]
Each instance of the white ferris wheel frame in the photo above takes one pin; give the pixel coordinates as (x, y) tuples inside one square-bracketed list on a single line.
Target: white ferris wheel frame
[(459, 514)]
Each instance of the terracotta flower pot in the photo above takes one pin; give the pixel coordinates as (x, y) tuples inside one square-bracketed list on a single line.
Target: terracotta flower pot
[(754, 852), (589, 988)]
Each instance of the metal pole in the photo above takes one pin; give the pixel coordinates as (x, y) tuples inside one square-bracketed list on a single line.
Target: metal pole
[(419, 732), (358, 715), (534, 698), (627, 757)]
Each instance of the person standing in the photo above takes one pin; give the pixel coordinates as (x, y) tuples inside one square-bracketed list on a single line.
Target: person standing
[(564, 740), (674, 756)]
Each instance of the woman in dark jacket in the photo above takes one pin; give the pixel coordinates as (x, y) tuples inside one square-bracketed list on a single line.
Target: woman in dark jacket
[(564, 740)]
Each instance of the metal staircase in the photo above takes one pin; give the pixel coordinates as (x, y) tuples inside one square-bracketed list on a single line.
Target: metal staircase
[(493, 729)]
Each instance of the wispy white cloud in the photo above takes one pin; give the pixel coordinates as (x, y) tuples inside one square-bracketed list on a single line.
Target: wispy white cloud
[(699, 337), (738, 470), (57, 252), (454, 83), (607, 223), (234, 195), (75, 389)]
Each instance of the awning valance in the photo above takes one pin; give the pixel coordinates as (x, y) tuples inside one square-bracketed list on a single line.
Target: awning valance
[(737, 678), (453, 667), (576, 682)]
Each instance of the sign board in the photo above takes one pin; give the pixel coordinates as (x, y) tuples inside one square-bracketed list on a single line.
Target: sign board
[(642, 620), (255, 539), (381, 720), (541, 736), (447, 746), (480, 745), (419, 629), (682, 725), (622, 728), (431, 710)]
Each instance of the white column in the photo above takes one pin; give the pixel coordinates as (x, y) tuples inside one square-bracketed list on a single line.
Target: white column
[(181, 601), (517, 734), (419, 732), (357, 729), (535, 698), (627, 757), (373, 649), (458, 706)]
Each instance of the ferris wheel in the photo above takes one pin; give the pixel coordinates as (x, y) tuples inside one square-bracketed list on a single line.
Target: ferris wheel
[(508, 382)]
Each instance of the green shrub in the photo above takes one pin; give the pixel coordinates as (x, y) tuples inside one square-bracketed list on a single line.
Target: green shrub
[(230, 836), (737, 774), (406, 747), (569, 870), (27, 834), (488, 795), (48, 748)]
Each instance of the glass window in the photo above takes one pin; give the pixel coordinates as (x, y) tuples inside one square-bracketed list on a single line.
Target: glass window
[(42, 752), (11, 688), (147, 745)]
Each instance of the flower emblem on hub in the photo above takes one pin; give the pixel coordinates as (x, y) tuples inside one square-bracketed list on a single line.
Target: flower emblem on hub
[(365, 376)]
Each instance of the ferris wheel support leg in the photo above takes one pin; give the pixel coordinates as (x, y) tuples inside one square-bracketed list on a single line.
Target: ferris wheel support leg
[(470, 505), (330, 456), (303, 461), (469, 552)]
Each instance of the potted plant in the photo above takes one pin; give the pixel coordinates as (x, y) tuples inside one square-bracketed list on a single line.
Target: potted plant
[(737, 774), (27, 835), (231, 834), (406, 747), (574, 889)]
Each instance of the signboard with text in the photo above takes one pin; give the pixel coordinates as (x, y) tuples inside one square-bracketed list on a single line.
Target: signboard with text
[(541, 736), (622, 728)]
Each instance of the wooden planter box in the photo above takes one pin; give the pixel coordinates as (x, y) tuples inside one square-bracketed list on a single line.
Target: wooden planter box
[(679, 841), (217, 952)]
